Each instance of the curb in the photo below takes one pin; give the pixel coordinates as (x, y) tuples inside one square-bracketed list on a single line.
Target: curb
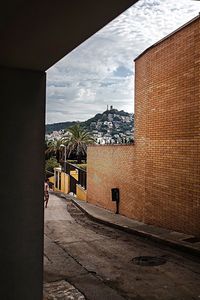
[(171, 243)]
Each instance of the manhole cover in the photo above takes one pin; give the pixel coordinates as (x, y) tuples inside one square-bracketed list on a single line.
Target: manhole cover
[(149, 260)]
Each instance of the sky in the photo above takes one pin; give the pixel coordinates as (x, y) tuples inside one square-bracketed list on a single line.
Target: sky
[(100, 71)]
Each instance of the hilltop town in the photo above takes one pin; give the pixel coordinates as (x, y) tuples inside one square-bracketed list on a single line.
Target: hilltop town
[(110, 127)]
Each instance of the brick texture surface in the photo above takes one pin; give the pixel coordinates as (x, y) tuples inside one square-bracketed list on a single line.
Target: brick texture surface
[(158, 176), (110, 167)]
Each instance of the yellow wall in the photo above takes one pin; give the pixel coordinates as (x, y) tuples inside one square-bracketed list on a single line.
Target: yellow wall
[(64, 183), (81, 193), (51, 179), (56, 172), (74, 174)]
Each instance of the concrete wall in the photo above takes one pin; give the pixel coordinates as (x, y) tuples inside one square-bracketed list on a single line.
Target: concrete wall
[(22, 95), (158, 177), (81, 193), (65, 181), (74, 174)]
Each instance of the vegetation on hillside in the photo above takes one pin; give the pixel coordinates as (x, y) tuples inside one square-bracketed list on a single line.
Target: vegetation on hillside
[(59, 126), (100, 116)]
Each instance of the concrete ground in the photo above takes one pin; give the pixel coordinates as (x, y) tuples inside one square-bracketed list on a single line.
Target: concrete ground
[(176, 240), (87, 259)]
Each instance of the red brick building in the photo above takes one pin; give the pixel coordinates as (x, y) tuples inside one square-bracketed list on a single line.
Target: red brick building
[(158, 176)]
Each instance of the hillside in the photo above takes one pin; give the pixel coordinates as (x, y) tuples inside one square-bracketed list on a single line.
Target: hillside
[(104, 116), (58, 126), (100, 117)]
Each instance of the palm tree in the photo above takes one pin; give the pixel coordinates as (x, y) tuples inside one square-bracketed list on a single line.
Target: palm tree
[(54, 148), (77, 142)]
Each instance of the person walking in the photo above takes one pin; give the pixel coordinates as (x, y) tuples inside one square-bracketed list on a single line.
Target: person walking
[(46, 192)]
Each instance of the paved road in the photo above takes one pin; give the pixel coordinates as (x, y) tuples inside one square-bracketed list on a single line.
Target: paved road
[(98, 260)]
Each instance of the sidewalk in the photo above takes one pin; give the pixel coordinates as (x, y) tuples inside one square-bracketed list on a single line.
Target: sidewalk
[(179, 241), (61, 290)]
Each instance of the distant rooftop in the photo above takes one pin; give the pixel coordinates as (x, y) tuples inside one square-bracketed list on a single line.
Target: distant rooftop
[(169, 35)]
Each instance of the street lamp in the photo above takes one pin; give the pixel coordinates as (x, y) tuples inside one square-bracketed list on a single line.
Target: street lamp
[(65, 157)]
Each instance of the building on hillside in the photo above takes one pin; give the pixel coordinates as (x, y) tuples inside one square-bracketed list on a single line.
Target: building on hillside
[(159, 176), (110, 117), (93, 125)]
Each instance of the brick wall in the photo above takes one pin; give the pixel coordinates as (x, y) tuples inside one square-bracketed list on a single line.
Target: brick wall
[(110, 167), (162, 185)]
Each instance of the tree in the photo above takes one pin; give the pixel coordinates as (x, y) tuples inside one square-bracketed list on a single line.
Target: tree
[(78, 141), (54, 148), (50, 164)]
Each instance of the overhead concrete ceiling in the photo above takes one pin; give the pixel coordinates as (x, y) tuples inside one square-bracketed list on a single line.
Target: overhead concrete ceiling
[(35, 34)]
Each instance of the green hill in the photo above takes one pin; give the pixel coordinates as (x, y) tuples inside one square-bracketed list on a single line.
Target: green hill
[(98, 117), (58, 126)]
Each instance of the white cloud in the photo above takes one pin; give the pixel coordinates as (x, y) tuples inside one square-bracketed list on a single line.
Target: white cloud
[(101, 70)]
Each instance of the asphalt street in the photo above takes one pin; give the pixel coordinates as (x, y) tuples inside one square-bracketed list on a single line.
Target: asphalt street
[(105, 263)]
